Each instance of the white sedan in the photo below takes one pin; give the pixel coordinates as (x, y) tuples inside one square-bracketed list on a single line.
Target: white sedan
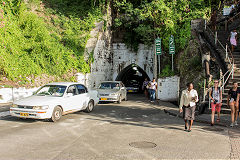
[(54, 100)]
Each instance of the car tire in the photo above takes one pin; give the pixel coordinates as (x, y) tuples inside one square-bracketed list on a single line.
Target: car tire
[(125, 99), (57, 114), (119, 99), (90, 106)]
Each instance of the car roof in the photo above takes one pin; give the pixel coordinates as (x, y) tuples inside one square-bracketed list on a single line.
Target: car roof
[(63, 83)]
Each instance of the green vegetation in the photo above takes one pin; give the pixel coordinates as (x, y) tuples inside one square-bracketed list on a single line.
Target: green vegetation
[(166, 72), (45, 37), (143, 20)]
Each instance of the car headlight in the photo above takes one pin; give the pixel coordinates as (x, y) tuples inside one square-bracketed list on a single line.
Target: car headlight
[(14, 106), (40, 107)]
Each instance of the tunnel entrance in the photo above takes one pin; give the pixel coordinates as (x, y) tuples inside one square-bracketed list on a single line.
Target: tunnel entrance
[(132, 77)]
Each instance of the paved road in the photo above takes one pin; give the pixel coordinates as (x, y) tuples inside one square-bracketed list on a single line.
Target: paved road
[(107, 132)]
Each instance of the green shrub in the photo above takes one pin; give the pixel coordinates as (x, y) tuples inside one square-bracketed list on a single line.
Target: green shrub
[(166, 72), (33, 45)]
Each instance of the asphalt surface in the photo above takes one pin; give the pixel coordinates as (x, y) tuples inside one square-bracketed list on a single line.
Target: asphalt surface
[(109, 132)]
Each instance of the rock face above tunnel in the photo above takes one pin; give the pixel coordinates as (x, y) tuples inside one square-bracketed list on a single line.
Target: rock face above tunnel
[(110, 59)]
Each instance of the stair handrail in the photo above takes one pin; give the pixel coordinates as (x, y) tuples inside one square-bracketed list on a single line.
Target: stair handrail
[(226, 49), (228, 52), (233, 17)]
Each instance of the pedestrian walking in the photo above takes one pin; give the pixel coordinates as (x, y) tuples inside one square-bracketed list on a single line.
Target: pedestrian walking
[(233, 102), (152, 89), (215, 95), (187, 105), (233, 39), (144, 87)]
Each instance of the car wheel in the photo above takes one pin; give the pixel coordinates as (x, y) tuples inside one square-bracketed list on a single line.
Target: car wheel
[(125, 98), (57, 114), (119, 99), (90, 106)]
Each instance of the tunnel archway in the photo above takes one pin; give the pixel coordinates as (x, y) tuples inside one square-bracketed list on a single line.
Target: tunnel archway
[(132, 75)]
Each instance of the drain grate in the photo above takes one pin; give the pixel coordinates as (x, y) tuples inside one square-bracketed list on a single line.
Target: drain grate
[(213, 129), (142, 144)]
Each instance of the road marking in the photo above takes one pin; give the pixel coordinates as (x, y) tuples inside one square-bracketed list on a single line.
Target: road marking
[(4, 114)]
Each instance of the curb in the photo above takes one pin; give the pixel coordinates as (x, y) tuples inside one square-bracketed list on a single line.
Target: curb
[(196, 120)]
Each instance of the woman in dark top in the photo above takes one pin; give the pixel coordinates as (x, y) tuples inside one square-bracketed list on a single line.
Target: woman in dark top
[(232, 101)]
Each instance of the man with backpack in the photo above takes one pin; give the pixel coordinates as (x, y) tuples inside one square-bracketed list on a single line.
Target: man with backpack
[(215, 95)]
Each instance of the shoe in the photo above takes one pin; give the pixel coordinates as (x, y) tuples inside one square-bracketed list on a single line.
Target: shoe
[(231, 125), (218, 120), (235, 123), (212, 124), (189, 130)]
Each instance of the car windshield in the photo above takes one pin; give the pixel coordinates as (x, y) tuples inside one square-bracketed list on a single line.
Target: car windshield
[(51, 90), (132, 83), (109, 85)]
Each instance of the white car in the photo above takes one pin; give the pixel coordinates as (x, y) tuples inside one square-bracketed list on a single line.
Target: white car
[(112, 91), (54, 100)]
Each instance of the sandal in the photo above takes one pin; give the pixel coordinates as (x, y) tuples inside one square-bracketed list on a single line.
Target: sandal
[(218, 120)]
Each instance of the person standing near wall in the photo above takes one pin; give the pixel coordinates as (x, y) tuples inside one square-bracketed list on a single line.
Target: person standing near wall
[(152, 90), (232, 101), (187, 105), (144, 87), (215, 95)]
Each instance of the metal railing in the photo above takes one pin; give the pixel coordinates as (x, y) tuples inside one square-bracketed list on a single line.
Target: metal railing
[(231, 19), (229, 58)]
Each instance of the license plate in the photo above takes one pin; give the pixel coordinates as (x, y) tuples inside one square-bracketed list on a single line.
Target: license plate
[(24, 114), (103, 99), (130, 90)]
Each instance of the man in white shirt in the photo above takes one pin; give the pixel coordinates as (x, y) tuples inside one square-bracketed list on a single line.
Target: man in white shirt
[(152, 89), (187, 105)]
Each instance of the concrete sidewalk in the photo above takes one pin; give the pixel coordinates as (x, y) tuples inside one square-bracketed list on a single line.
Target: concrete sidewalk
[(225, 119)]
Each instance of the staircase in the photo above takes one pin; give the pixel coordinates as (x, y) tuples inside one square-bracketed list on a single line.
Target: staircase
[(236, 77), (223, 38)]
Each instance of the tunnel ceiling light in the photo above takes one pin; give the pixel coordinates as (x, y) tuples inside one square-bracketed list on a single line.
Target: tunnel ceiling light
[(135, 68)]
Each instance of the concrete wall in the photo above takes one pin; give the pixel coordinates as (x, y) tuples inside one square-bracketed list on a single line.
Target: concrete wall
[(110, 61), (168, 88), (11, 94), (123, 57)]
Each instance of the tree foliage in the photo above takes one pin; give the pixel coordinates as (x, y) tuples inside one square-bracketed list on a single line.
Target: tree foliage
[(46, 37), (144, 20)]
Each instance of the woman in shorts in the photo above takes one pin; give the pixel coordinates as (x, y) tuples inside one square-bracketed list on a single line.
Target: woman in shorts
[(232, 101), (215, 95)]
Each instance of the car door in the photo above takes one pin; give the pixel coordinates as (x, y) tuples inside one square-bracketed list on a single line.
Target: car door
[(123, 90), (72, 101), (83, 95)]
